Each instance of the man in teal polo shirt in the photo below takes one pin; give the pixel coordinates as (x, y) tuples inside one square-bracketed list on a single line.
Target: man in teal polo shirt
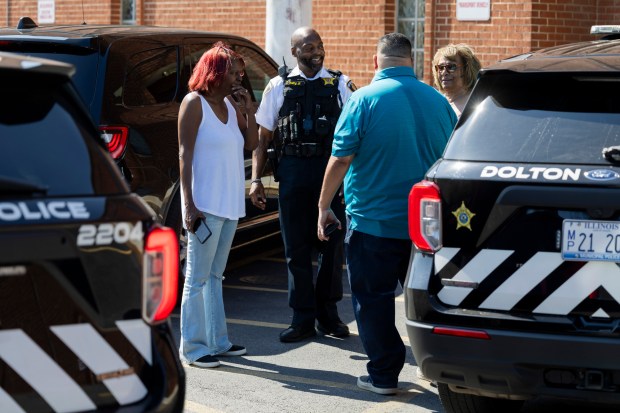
[(388, 135)]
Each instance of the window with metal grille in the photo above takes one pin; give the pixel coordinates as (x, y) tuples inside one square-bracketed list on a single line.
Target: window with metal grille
[(410, 21)]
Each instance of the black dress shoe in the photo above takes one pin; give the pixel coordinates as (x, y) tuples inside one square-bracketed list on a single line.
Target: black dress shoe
[(334, 328), (296, 333)]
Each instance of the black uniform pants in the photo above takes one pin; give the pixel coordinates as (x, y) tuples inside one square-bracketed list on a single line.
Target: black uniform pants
[(300, 186)]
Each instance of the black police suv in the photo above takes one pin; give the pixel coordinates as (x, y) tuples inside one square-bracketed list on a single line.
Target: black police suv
[(87, 278), (514, 289), (133, 79)]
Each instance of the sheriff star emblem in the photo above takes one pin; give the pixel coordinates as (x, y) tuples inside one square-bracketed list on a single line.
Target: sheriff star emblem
[(329, 81), (463, 216)]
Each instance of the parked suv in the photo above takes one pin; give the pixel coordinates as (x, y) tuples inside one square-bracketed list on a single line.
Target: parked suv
[(87, 278), (514, 289), (133, 79)]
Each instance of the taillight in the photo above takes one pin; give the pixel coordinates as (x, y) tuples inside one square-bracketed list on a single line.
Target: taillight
[(116, 139), (159, 274), (425, 216)]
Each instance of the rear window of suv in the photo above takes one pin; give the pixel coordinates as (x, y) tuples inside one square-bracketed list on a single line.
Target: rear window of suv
[(539, 118), (84, 59), (48, 144)]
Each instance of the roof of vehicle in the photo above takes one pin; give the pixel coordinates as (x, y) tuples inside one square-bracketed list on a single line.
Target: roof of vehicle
[(105, 30), (32, 64), (601, 55)]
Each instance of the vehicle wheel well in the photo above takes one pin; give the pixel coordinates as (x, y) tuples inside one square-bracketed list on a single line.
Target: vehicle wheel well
[(454, 402)]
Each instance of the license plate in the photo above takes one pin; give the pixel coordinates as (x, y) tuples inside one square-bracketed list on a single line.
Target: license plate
[(590, 240)]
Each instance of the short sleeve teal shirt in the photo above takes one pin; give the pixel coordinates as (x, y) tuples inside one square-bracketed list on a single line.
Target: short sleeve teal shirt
[(396, 127)]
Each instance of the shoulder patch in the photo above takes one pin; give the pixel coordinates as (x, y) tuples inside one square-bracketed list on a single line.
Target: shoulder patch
[(351, 86)]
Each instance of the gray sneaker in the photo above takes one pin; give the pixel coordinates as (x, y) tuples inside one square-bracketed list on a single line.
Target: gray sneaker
[(364, 382), (206, 362)]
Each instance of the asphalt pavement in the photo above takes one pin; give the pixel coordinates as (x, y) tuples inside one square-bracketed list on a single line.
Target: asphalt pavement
[(314, 375)]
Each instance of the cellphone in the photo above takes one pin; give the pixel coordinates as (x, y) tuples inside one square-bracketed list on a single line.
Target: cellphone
[(201, 230), (235, 97), (330, 229)]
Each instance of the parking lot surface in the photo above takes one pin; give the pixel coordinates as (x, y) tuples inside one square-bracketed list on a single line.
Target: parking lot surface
[(315, 375)]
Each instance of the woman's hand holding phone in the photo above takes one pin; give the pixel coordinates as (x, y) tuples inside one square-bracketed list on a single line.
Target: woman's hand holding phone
[(201, 230)]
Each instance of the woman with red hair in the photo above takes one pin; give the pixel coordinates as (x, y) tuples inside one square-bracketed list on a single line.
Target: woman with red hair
[(216, 123)]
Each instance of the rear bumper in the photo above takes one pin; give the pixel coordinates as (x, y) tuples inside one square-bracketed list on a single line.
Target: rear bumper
[(520, 365)]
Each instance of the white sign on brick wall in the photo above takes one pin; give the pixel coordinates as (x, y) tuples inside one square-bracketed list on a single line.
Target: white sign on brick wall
[(47, 12), (473, 9)]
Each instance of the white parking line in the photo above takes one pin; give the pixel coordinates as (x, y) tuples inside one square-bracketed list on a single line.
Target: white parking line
[(193, 407)]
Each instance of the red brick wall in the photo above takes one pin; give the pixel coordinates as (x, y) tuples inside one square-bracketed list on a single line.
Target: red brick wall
[(349, 44), (350, 33), (242, 17), (66, 11)]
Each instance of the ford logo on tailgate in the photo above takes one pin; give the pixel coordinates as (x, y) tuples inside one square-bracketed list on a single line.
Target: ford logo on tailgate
[(601, 175)]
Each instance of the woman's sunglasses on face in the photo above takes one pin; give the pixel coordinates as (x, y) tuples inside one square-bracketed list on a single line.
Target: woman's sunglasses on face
[(449, 67)]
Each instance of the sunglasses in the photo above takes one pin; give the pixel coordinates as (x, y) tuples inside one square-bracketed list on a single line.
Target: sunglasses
[(449, 67)]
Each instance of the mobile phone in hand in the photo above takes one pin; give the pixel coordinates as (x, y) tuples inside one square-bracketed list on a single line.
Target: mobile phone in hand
[(330, 229), (201, 230)]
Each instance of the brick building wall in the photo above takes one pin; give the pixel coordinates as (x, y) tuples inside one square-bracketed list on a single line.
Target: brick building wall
[(350, 29), (349, 44), (66, 11)]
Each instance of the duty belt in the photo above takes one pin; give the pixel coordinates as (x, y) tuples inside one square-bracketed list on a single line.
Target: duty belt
[(304, 150)]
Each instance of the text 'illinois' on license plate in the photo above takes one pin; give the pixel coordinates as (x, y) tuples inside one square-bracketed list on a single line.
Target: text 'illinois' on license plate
[(584, 240)]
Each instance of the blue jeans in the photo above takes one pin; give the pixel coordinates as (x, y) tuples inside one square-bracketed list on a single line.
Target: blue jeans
[(375, 266), (203, 321)]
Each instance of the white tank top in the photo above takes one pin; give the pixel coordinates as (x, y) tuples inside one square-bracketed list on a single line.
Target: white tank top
[(218, 175)]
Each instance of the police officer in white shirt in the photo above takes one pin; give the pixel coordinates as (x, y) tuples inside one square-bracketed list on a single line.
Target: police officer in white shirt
[(298, 112)]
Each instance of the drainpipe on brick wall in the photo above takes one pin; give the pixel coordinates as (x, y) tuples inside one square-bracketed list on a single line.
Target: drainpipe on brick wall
[(282, 18)]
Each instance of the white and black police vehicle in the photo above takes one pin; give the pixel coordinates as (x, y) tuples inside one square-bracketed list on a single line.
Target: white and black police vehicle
[(87, 279), (513, 292)]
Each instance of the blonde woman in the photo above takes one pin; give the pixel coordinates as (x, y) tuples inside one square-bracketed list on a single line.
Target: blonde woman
[(455, 70)]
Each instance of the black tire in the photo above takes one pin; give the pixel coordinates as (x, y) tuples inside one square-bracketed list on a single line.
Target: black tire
[(174, 220), (468, 403)]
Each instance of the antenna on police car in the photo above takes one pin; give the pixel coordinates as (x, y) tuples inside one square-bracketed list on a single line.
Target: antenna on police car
[(83, 18)]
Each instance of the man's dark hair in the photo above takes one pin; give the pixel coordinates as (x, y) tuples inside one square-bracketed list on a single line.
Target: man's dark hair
[(394, 45)]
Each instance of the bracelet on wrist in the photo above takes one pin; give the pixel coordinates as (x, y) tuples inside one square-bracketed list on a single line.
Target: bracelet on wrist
[(257, 181)]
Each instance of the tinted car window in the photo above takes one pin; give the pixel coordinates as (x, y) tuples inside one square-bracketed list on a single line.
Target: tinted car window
[(45, 129), (152, 77), (84, 59), (539, 118), (257, 71)]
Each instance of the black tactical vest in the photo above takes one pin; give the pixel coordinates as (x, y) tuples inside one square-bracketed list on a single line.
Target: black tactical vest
[(308, 116)]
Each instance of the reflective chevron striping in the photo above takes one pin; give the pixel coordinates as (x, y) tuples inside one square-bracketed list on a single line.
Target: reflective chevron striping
[(139, 335), (55, 386), (8, 405), (102, 360), (476, 270), (444, 256), (42, 374), (562, 301), (590, 277), (523, 281)]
